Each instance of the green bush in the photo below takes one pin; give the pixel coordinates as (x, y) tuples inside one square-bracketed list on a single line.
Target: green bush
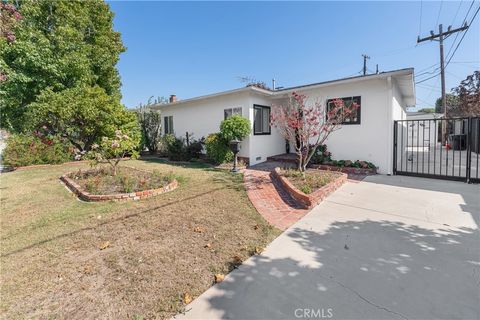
[(321, 155), (194, 148), (165, 140), (217, 148), (235, 127), (176, 150), (25, 150)]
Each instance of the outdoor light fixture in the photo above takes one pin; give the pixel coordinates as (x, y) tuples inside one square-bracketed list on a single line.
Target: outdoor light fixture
[(235, 147)]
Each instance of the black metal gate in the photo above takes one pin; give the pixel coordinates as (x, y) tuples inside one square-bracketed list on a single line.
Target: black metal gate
[(418, 149)]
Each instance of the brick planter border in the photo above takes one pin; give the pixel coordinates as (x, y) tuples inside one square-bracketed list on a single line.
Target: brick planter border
[(137, 195), (309, 201), (347, 170)]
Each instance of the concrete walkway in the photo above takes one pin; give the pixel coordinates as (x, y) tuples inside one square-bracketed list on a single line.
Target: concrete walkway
[(384, 248)]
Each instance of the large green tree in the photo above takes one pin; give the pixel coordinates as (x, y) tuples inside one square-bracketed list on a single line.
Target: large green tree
[(59, 44), (82, 115)]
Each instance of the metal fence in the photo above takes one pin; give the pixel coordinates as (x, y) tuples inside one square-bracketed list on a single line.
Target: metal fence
[(438, 148)]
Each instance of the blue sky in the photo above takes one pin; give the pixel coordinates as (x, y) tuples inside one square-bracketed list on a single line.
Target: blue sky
[(196, 48)]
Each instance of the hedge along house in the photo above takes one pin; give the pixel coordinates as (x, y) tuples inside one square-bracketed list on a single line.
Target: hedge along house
[(368, 135)]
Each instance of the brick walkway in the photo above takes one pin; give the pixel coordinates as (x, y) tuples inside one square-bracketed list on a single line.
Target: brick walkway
[(269, 198)]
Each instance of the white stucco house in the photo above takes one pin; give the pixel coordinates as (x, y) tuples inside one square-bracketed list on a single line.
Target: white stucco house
[(383, 98)]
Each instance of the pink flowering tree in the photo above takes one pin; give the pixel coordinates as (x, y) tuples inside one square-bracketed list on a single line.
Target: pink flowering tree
[(112, 150), (9, 17), (307, 126)]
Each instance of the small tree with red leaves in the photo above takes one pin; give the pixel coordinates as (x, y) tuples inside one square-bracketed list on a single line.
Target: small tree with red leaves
[(308, 126)]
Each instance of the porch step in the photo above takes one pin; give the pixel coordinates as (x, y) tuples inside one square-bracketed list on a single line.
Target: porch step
[(285, 157)]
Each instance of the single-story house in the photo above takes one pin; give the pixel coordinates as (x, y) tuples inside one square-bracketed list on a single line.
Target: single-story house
[(420, 115), (383, 98)]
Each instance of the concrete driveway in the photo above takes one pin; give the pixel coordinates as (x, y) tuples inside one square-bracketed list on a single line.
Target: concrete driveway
[(385, 248)]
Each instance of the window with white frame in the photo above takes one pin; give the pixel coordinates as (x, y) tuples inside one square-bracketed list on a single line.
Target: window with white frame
[(261, 120), (168, 124), (231, 112)]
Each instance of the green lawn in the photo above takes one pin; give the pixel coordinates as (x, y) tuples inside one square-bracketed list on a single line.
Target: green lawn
[(52, 265)]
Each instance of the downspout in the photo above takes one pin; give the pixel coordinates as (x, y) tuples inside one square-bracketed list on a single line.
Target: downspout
[(390, 125)]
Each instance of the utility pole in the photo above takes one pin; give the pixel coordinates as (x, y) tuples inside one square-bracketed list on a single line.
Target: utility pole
[(365, 57), (442, 36)]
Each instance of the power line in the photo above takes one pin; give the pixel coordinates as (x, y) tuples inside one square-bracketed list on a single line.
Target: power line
[(436, 75), (420, 24), (463, 36), (439, 11), (428, 72), (456, 13), (464, 21)]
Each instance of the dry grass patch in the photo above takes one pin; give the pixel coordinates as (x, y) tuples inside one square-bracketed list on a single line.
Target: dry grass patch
[(67, 259)]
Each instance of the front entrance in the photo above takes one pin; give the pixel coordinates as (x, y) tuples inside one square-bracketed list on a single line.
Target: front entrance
[(418, 149)]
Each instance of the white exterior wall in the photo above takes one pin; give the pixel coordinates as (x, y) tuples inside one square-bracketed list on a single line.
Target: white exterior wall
[(368, 140), (263, 146), (398, 104), (204, 117), (371, 140)]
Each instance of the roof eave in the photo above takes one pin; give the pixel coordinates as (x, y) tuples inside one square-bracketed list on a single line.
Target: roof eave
[(213, 95)]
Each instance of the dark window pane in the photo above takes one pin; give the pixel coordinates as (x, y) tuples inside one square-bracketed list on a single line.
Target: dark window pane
[(258, 120), (266, 120), (171, 124), (237, 111), (354, 117)]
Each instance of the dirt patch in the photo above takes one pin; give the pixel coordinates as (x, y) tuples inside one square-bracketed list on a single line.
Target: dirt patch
[(66, 259)]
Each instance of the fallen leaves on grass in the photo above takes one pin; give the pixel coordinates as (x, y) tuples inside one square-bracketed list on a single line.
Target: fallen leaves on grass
[(88, 269), (219, 277), (237, 260), (199, 229), (255, 227), (258, 250), (104, 245), (187, 298), (208, 245)]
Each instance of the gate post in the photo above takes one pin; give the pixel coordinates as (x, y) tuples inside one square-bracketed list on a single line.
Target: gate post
[(469, 150), (395, 134)]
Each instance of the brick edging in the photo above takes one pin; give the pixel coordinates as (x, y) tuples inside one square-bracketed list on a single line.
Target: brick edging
[(347, 170), (309, 200), (137, 195)]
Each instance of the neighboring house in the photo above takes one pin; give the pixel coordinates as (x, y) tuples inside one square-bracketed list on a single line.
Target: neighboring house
[(416, 115), (424, 132), (383, 98)]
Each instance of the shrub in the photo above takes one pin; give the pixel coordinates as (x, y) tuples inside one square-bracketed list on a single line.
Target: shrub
[(176, 150), (111, 151), (24, 150), (235, 127), (217, 149), (321, 155), (194, 149), (150, 124), (163, 144)]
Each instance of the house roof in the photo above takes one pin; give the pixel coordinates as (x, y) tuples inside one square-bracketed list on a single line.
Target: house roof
[(404, 79)]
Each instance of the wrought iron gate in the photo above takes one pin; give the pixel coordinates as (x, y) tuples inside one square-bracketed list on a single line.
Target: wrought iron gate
[(418, 149)]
